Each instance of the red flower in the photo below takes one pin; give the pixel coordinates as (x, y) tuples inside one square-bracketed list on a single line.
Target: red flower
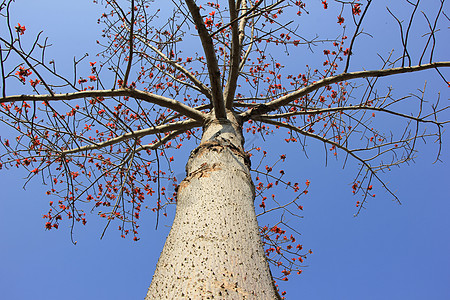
[(208, 22), (92, 78), (340, 19), (34, 83), (325, 4), (22, 73), (48, 225), (356, 9), (20, 29)]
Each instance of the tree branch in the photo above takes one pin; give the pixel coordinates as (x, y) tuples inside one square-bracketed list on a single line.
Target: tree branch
[(162, 141), (337, 145), (275, 104), (347, 64), (178, 126), (233, 75), (201, 87), (211, 59), (130, 56), (243, 16), (144, 96), (345, 108)]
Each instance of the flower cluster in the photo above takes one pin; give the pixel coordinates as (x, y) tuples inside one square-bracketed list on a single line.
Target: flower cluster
[(22, 73)]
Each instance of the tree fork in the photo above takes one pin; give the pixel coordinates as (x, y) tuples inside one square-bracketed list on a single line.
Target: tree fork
[(214, 249)]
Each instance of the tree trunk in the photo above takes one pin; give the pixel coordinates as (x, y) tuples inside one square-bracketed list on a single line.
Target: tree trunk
[(214, 249)]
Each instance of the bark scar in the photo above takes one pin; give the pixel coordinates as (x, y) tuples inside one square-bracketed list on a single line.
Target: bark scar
[(204, 171), (220, 146)]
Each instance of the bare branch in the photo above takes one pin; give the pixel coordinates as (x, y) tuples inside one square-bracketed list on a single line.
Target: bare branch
[(178, 126), (346, 108), (213, 68), (335, 144), (347, 64), (201, 87), (144, 96), (274, 104), (244, 15), (432, 33), (130, 55), (233, 74)]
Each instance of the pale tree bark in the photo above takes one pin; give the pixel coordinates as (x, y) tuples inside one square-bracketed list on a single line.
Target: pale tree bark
[(214, 249)]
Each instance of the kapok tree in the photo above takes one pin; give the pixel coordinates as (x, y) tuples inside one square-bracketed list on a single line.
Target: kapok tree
[(103, 138)]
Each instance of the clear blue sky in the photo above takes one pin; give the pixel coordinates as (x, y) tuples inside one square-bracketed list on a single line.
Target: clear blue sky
[(389, 251)]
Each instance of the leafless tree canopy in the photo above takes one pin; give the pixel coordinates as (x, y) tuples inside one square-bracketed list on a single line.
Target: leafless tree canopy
[(102, 138)]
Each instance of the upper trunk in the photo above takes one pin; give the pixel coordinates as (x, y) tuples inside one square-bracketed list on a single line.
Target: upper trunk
[(214, 248)]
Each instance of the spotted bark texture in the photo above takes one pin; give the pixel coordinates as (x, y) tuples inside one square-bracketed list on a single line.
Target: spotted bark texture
[(214, 250)]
